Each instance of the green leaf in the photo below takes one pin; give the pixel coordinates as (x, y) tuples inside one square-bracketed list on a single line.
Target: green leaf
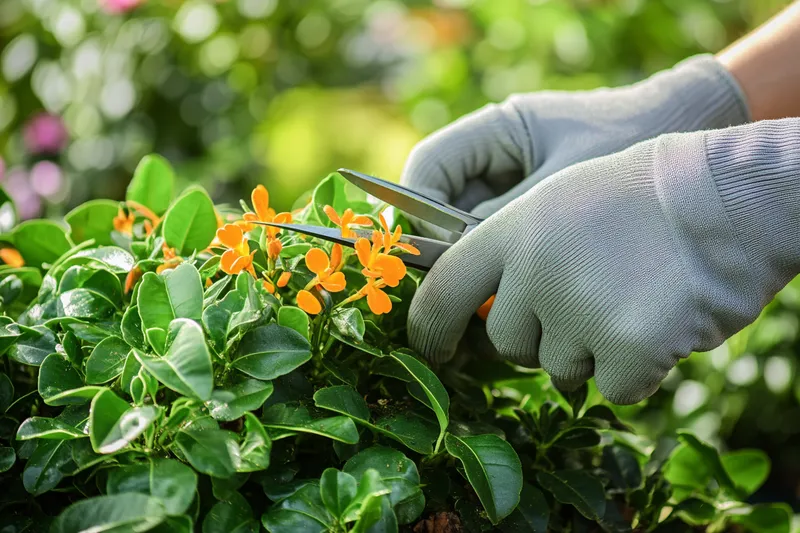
[(577, 438), (171, 482), (234, 515), (492, 468), (94, 278), (370, 487), (294, 318), (302, 511), (93, 220), (40, 241), (118, 513), (153, 183), (348, 323), (43, 471), (766, 518), (113, 423), (191, 223), (271, 351), (38, 427), (131, 328), (288, 419), (695, 511), (56, 376), (434, 391), (256, 447), (210, 451), (33, 345), (710, 456), (9, 333), (337, 490), (398, 473), (577, 488), (224, 488), (186, 367), (111, 258), (343, 399), (409, 428), (532, 515), (85, 303), (748, 469), (178, 293), (243, 395), (622, 467), (106, 360), (6, 392), (7, 458)]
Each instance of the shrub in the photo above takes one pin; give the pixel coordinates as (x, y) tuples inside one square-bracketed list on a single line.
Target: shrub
[(159, 377)]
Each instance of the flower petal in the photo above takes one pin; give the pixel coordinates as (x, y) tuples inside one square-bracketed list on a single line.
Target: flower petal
[(361, 220), (336, 282), (483, 310), (12, 257), (391, 267), (274, 247), (284, 279), (269, 286), (260, 198), (242, 262), (336, 256), (363, 249), (231, 235), (227, 260), (332, 214), (317, 260), (308, 303), (378, 301), (408, 248)]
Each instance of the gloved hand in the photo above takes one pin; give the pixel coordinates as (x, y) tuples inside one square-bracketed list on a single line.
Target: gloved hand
[(619, 266), (532, 136)]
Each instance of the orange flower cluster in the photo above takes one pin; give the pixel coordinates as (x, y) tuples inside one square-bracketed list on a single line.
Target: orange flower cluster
[(327, 275), (347, 219), (124, 223), (238, 256)]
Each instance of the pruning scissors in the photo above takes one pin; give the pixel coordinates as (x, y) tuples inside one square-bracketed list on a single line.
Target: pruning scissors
[(413, 203), (430, 210)]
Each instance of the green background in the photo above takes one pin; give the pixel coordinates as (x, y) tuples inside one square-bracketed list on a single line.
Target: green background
[(240, 92)]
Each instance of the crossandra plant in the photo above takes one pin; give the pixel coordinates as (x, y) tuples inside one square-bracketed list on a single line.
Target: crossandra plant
[(173, 366)]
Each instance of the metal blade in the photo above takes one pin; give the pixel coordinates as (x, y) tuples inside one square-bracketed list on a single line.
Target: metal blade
[(415, 204), (430, 249)]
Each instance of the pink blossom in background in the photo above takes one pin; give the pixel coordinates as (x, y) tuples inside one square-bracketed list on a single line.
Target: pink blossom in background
[(45, 134), (46, 178), (120, 6), (28, 203)]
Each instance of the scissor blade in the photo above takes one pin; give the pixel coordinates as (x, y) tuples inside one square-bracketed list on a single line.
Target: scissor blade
[(429, 249), (415, 204)]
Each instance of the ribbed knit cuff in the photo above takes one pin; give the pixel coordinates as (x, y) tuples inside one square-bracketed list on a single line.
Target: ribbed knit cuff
[(705, 95), (756, 169)]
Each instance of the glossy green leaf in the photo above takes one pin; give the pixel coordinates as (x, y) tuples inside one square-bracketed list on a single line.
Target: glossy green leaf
[(287, 419), (438, 400), (271, 351), (38, 427), (622, 467), (177, 293), (153, 183), (191, 222), (7, 458), (766, 518), (234, 515), (337, 490), (186, 367), (111, 258), (256, 446), (131, 328), (343, 399), (93, 220), (532, 515), (294, 318), (710, 456), (398, 473), (93, 278), (117, 512), (370, 487), (171, 482), (9, 333), (243, 395), (748, 469), (43, 470), (85, 303), (492, 468), (418, 433), (40, 241), (348, 323), (210, 451), (577, 438), (577, 488), (33, 345), (113, 423), (695, 511), (302, 511), (56, 376), (106, 360)]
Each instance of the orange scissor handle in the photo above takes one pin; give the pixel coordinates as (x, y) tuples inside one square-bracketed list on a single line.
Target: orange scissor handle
[(483, 310)]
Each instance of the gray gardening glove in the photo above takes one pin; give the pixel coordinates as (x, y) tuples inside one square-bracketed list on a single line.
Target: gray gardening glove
[(620, 266), (535, 135)]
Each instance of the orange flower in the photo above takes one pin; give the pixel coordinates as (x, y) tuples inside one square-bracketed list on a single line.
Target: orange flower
[(124, 224), (326, 274), (377, 264), (391, 240), (133, 276), (378, 301), (238, 256), (264, 212), (308, 302), (12, 258), (171, 259), (284, 279), (269, 286), (347, 219)]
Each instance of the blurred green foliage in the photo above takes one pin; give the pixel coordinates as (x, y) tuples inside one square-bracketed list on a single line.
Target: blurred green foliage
[(240, 92)]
